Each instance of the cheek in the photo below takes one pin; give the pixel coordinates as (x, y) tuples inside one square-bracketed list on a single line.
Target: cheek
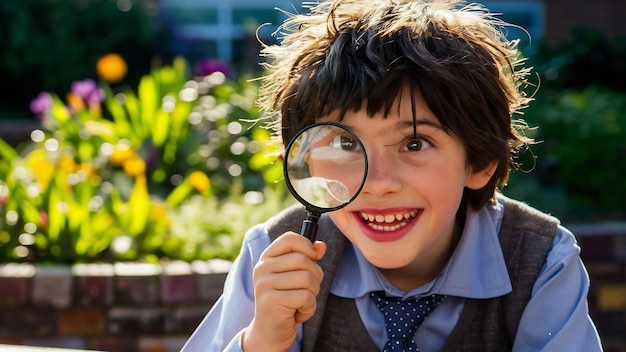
[(341, 218)]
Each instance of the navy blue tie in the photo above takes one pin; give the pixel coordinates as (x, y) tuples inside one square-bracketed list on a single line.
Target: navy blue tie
[(403, 317)]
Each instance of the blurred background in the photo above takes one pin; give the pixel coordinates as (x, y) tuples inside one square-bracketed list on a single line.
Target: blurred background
[(128, 135)]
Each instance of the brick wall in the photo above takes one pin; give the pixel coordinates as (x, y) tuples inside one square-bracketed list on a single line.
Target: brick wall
[(121, 307), (604, 254), (146, 308)]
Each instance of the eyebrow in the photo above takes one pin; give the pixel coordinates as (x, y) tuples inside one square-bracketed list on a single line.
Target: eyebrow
[(404, 124)]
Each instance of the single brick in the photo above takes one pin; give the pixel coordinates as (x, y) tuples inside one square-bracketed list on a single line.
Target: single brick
[(13, 340), (28, 321), (606, 272), (596, 247), (610, 323), (74, 343), (15, 283), (188, 318), (52, 286), (137, 321), (161, 344), (210, 277), (136, 283), (111, 343), (82, 321), (177, 283), (612, 297), (620, 247), (93, 284)]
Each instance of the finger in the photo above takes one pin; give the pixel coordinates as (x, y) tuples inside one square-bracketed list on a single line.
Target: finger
[(287, 263), (291, 242), (320, 249), (290, 281), (299, 304)]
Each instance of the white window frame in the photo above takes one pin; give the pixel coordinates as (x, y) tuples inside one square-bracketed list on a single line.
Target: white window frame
[(224, 32)]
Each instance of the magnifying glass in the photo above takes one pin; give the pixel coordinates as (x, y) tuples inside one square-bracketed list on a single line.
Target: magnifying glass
[(325, 166)]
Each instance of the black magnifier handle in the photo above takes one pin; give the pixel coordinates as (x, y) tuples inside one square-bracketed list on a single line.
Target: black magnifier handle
[(322, 166), (309, 225)]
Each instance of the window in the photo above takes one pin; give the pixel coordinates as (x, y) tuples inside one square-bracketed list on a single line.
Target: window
[(529, 14), (224, 29)]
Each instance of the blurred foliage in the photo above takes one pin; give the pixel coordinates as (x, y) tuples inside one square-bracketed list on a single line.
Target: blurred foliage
[(580, 157), (589, 58), (168, 171), (580, 117), (48, 44)]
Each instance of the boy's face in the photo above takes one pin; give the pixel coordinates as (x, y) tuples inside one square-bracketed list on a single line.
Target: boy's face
[(404, 217)]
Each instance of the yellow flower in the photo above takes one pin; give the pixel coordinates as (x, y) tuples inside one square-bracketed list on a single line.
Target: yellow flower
[(42, 167), (111, 68), (134, 167), (121, 154), (159, 213), (87, 169), (67, 164), (200, 181)]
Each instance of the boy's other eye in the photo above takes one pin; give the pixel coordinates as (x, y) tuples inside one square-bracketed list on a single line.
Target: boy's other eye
[(416, 145), (344, 142)]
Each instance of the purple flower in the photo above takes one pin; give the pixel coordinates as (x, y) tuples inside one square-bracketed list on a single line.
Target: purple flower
[(208, 66), (41, 104), (87, 90)]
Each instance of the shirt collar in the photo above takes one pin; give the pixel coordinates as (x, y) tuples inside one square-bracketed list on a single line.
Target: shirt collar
[(476, 269)]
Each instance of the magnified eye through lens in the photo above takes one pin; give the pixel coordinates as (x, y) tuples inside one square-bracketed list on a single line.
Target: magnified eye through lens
[(345, 142), (325, 166)]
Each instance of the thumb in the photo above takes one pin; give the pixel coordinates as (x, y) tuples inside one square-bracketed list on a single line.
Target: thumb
[(320, 249)]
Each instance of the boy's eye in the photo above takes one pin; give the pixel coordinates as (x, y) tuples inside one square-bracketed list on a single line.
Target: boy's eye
[(416, 145), (344, 142)]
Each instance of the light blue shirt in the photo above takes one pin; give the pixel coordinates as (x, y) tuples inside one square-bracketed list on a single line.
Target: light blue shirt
[(555, 319)]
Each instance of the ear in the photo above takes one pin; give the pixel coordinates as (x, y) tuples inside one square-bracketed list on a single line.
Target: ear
[(479, 179)]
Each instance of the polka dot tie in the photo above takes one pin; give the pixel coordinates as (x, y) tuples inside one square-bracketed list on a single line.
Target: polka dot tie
[(403, 317)]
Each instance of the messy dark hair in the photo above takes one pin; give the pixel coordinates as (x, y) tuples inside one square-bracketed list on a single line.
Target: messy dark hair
[(359, 54)]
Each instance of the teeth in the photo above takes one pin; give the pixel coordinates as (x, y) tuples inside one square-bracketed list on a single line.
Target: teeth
[(380, 222)]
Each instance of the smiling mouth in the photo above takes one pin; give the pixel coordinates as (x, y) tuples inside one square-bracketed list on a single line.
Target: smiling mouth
[(388, 222)]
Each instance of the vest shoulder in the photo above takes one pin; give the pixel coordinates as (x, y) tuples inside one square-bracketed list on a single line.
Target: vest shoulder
[(289, 219)]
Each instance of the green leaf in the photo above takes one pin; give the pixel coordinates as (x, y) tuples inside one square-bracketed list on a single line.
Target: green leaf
[(179, 194), (147, 94), (139, 207), (122, 124), (56, 217), (160, 128), (6, 151)]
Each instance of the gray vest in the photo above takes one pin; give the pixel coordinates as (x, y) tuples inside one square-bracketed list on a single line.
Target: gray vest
[(526, 237)]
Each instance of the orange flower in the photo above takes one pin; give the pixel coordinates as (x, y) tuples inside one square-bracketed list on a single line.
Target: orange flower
[(111, 68), (75, 102), (200, 181)]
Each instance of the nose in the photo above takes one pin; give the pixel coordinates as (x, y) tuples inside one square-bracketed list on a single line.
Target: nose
[(382, 176)]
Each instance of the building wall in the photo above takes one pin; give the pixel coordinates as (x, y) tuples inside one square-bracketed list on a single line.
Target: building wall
[(608, 16)]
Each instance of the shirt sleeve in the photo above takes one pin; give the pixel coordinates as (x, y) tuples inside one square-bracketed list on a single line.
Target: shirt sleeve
[(557, 316), (221, 328)]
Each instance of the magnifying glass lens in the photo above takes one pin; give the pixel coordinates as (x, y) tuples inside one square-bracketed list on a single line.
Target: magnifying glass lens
[(325, 166)]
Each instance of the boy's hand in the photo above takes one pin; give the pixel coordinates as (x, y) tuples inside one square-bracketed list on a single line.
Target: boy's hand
[(286, 283)]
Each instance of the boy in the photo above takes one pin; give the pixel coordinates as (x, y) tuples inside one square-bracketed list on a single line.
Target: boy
[(429, 87)]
